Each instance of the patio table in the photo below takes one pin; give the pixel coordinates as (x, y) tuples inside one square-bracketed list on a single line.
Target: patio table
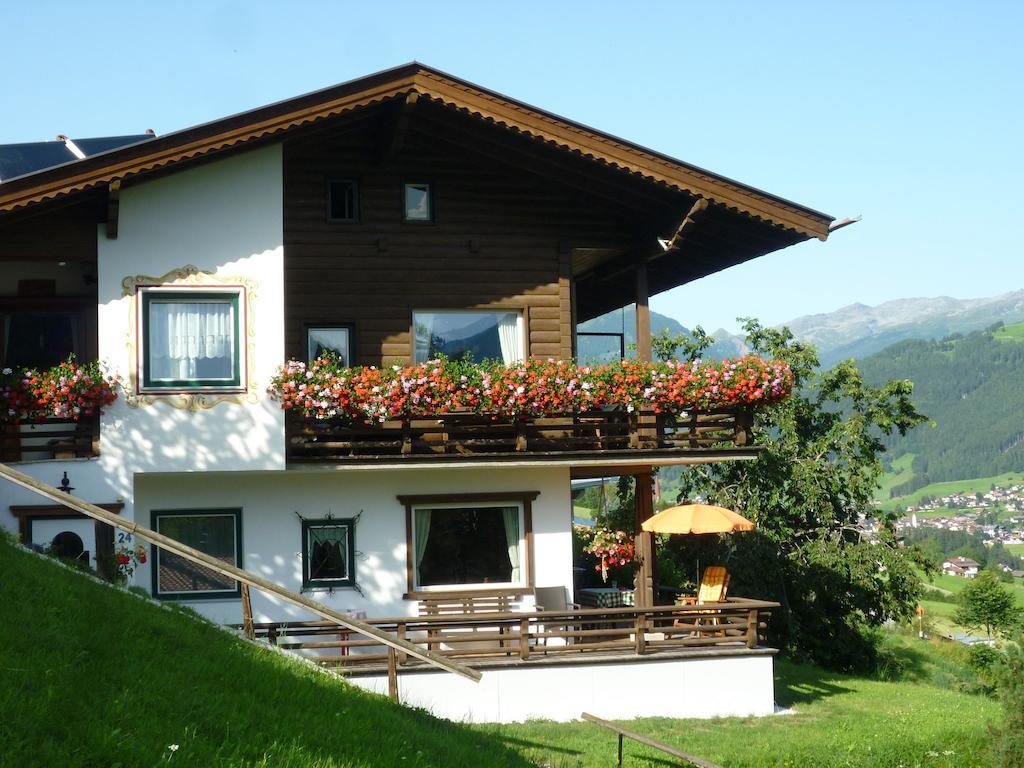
[(605, 597)]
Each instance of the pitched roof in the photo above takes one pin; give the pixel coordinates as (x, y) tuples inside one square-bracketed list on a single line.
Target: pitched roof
[(23, 159), (273, 120)]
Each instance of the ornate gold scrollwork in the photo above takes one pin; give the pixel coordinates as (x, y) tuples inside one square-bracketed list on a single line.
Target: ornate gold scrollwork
[(189, 275)]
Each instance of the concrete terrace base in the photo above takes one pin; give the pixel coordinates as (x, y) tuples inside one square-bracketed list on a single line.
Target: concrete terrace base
[(703, 684)]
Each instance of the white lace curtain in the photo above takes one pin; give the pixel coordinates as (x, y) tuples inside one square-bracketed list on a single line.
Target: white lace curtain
[(509, 337), (510, 516), (181, 334)]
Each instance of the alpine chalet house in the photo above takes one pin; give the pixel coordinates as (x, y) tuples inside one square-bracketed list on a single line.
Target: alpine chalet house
[(392, 221)]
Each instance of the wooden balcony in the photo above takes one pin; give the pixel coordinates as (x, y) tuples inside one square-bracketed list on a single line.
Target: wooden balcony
[(504, 638), (50, 439), (462, 436)]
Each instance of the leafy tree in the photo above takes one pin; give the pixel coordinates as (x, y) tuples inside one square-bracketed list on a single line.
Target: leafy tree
[(812, 482), (681, 346), (985, 602)]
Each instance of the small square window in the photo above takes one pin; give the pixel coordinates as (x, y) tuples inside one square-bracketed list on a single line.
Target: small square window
[(323, 339), (419, 204), (328, 553), (343, 200), (216, 532), (191, 340)]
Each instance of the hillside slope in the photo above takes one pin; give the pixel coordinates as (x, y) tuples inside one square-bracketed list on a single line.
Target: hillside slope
[(972, 387), (93, 676)]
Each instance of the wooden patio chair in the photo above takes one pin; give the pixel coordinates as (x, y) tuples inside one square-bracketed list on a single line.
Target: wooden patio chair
[(714, 585)]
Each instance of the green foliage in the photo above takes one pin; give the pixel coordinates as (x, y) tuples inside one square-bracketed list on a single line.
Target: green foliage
[(1008, 737), (815, 477), (971, 387), (686, 345), (985, 603)]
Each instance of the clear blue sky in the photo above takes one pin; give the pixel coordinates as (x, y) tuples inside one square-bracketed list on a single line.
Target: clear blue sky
[(907, 113)]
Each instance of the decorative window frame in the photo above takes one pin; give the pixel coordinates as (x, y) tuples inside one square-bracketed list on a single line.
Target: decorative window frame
[(349, 523), (225, 594), (190, 279), (523, 499)]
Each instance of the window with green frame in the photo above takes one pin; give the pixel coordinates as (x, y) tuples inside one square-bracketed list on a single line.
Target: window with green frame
[(218, 533), (328, 553), (191, 339)]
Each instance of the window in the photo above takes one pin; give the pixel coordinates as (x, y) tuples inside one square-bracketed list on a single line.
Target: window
[(468, 544), (217, 532), (322, 339), (328, 553), (38, 339), (191, 340), (343, 201), (418, 203), (469, 335)]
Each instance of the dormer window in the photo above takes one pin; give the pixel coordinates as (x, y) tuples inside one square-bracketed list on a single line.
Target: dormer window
[(190, 340), (419, 203), (343, 201)]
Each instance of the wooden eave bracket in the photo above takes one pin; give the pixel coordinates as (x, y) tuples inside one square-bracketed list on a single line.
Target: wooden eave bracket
[(113, 207), (700, 205), (399, 130)]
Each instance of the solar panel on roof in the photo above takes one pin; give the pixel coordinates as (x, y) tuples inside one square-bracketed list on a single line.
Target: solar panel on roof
[(19, 159)]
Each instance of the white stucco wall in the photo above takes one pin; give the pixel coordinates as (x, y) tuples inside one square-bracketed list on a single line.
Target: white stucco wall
[(271, 531), (225, 218), (709, 686)]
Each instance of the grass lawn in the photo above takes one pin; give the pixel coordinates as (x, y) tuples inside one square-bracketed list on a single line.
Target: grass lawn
[(839, 721), (92, 676), (1017, 549)]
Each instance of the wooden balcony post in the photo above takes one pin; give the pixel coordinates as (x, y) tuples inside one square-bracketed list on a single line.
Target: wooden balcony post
[(643, 313), (247, 613), (392, 674), (641, 627), (403, 657), (643, 500), (524, 639), (753, 616)]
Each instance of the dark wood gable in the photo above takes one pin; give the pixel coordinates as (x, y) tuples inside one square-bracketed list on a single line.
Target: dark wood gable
[(503, 235)]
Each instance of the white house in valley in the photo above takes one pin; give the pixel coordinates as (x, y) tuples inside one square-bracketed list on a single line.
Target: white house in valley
[(392, 219)]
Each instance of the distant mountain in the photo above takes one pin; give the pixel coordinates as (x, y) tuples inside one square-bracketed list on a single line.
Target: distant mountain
[(972, 388), (859, 330)]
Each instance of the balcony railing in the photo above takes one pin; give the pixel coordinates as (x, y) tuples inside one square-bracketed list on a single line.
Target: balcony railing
[(471, 435), (50, 439), (519, 637)]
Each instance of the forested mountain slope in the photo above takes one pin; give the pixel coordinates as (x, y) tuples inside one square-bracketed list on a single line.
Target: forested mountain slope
[(972, 387)]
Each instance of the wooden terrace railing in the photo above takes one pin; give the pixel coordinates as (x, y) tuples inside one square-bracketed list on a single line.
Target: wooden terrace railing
[(522, 636), (48, 439), (458, 434)]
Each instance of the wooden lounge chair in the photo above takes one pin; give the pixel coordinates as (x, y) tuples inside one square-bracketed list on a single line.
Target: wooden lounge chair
[(714, 585)]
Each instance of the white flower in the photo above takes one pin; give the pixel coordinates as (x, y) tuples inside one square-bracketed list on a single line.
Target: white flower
[(8, 371), (172, 747)]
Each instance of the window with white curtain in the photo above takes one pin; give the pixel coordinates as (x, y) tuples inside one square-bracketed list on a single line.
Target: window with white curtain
[(468, 544), (469, 335), (191, 340)]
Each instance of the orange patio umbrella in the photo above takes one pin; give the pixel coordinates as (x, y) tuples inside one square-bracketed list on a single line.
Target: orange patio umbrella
[(697, 518)]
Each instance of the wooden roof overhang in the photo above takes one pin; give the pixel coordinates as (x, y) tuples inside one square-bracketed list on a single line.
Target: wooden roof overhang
[(710, 222)]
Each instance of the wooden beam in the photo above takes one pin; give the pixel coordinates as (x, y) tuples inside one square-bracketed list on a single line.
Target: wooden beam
[(399, 130), (113, 207), (646, 741), (238, 574), (699, 206), (643, 509)]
